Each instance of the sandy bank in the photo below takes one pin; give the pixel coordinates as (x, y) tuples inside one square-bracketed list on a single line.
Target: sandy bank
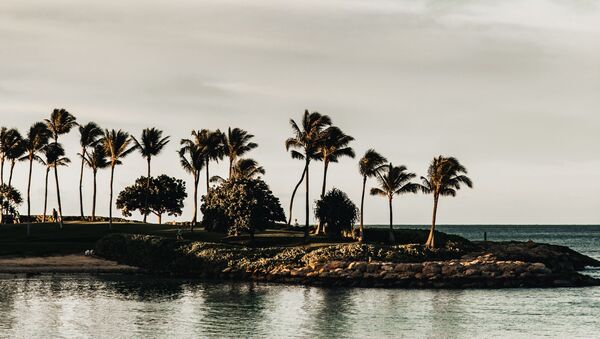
[(62, 264)]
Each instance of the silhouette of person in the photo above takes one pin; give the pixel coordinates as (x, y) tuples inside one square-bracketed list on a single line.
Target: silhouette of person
[(55, 215), (296, 222)]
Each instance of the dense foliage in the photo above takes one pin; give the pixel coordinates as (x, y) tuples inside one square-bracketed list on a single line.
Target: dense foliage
[(240, 205), (10, 199), (165, 195), (337, 212)]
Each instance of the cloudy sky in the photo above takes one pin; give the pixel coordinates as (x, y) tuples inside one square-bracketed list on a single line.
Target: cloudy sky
[(511, 88)]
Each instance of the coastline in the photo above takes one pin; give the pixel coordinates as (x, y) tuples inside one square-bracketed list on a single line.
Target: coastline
[(72, 263)]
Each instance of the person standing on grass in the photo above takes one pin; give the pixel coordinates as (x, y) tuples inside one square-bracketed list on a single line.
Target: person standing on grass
[(55, 215)]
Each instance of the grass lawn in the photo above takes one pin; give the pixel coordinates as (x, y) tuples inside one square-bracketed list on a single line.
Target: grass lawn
[(76, 237)]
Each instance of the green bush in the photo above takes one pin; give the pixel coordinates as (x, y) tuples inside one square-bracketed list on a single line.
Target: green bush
[(240, 205), (336, 211)]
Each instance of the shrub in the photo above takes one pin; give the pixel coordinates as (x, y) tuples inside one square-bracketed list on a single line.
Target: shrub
[(240, 205), (337, 212), (10, 199)]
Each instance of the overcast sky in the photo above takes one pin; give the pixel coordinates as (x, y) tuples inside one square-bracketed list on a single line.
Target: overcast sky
[(510, 88)]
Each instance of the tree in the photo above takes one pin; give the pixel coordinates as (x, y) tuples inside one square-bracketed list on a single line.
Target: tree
[(368, 167), (37, 139), (241, 205), (333, 145), (89, 136), (444, 177), (165, 195), (237, 143), (151, 144), (191, 159), (307, 137), (54, 155), (210, 144), (8, 139), (60, 122), (96, 159), (10, 199), (116, 146), (247, 169), (394, 180), (14, 153), (336, 211)]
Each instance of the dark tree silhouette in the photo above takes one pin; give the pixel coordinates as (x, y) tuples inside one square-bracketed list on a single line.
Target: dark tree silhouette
[(237, 143), (96, 160), (368, 167), (89, 135), (54, 155), (37, 139)]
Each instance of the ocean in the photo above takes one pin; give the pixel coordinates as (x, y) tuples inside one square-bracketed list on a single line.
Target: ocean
[(121, 306)]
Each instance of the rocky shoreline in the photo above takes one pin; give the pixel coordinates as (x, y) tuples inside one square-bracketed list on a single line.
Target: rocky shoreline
[(489, 265)]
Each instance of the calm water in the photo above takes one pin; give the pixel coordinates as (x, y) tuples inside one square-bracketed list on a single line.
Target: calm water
[(125, 306)]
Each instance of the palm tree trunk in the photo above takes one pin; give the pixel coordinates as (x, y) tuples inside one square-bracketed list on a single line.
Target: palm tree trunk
[(81, 183), (46, 194), (230, 166), (207, 177), (2, 170), (294, 194), (195, 217), (307, 208), (325, 166), (29, 188), (147, 191), (392, 236), (431, 239), (94, 198), (10, 176), (112, 176), (58, 194), (362, 207)]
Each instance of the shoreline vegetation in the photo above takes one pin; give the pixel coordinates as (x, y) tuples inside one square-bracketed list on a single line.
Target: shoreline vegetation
[(243, 231)]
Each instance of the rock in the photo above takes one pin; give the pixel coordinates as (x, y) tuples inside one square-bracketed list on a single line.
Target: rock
[(372, 267)]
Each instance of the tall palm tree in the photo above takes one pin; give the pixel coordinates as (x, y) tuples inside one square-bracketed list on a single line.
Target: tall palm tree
[(96, 159), (307, 137), (14, 153), (54, 155), (37, 139), (368, 167), (237, 143), (334, 145), (89, 135), (444, 177), (394, 180), (116, 146), (60, 122), (211, 144), (151, 144), (8, 139), (192, 161)]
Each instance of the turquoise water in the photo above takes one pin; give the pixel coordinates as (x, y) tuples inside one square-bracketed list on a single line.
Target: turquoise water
[(117, 306)]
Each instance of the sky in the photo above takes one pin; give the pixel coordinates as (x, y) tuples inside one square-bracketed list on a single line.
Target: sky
[(510, 88)]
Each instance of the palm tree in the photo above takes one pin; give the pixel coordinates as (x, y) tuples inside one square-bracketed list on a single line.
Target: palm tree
[(54, 155), (37, 139), (237, 143), (212, 146), (96, 159), (394, 180), (8, 139), (247, 169), (116, 146), (151, 144), (14, 152), (192, 161), (368, 167), (444, 177), (89, 135), (334, 145), (60, 122), (306, 137)]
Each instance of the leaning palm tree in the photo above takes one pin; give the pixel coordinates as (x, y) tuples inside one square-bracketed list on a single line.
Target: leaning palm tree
[(150, 144), (368, 167), (444, 177), (307, 138), (96, 160), (14, 153), (192, 161), (334, 145), (37, 139), (54, 155), (394, 180), (60, 122), (116, 146), (8, 139), (89, 135), (237, 143)]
